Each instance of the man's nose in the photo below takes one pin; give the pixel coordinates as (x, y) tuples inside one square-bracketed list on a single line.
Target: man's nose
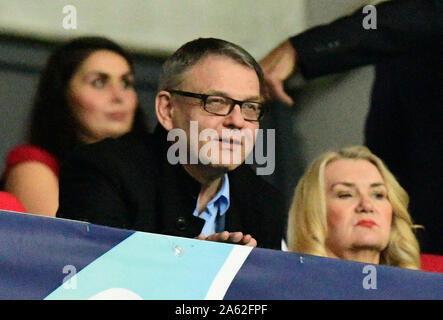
[(235, 118)]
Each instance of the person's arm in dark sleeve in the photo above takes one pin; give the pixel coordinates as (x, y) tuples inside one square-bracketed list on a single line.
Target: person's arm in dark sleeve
[(401, 26), (89, 188)]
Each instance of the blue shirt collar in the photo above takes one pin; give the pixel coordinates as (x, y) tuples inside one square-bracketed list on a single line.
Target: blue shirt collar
[(221, 199)]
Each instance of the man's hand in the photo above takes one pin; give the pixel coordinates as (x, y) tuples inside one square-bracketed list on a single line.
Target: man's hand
[(230, 237), (277, 66)]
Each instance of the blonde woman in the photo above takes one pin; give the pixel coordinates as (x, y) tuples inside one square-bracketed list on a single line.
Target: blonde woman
[(349, 206)]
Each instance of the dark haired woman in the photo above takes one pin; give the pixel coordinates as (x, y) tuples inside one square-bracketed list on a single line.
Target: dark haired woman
[(85, 94)]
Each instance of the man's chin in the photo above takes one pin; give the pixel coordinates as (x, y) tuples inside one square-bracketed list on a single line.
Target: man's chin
[(227, 167), (223, 167)]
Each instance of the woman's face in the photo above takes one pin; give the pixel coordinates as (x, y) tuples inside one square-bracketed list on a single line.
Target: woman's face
[(359, 213), (102, 96)]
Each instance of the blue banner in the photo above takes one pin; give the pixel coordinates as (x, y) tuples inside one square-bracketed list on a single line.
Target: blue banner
[(57, 259)]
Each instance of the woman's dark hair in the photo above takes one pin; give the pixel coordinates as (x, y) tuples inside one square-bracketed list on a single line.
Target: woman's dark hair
[(53, 126)]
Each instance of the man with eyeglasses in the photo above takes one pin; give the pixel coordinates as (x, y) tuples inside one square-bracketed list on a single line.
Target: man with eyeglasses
[(210, 87)]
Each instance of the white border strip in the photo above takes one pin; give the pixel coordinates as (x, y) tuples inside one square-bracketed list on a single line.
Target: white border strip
[(227, 272)]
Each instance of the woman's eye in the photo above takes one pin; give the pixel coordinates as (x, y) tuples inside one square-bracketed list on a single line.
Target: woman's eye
[(379, 195), (344, 195), (98, 83), (127, 84)]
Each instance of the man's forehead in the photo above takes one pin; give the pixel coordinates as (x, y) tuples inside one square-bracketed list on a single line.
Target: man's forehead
[(213, 71), (205, 63)]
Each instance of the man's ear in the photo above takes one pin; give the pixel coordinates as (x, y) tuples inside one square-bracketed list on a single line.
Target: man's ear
[(164, 109)]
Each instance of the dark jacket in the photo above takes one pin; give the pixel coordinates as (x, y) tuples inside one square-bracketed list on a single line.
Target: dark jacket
[(128, 183), (402, 26)]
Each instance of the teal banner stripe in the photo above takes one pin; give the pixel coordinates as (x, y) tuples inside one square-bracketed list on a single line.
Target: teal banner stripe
[(149, 266)]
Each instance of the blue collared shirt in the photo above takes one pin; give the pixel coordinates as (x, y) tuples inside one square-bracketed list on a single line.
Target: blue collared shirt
[(214, 213)]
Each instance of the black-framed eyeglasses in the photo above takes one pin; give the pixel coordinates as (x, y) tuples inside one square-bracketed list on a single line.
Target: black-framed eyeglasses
[(223, 106)]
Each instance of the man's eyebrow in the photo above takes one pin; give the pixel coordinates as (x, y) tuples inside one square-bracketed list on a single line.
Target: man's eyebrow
[(224, 94)]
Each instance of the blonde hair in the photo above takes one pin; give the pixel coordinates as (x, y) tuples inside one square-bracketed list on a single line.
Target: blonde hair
[(307, 226)]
